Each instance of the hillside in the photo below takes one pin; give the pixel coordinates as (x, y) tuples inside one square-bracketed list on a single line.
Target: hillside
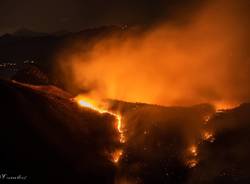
[(46, 137), (42, 128)]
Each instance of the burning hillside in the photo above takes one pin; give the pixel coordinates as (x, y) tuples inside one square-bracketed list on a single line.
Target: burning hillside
[(88, 103), (165, 100), (79, 140), (42, 128), (165, 138)]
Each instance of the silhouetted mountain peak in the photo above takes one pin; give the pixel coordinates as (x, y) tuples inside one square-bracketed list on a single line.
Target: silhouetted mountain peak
[(61, 33), (23, 32)]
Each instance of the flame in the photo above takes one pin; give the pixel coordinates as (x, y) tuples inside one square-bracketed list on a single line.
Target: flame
[(116, 156), (193, 150), (94, 105), (86, 104), (220, 107), (193, 153), (207, 119), (192, 163), (90, 103), (208, 136), (141, 67)]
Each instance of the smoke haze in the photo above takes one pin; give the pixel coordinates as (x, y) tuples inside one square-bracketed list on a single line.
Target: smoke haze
[(204, 60)]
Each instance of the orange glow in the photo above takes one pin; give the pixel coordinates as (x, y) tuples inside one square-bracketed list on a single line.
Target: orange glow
[(193, 150), (94, 105), (225, 106), (192, 163), (192, 154), (116, 156), (208, 136), (207, 118), (84, 103), (166, 65)]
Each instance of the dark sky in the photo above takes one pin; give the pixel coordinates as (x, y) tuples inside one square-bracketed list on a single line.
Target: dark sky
[(55, 15)]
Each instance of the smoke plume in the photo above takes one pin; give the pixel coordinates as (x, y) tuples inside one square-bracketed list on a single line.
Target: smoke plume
[(204, 60)]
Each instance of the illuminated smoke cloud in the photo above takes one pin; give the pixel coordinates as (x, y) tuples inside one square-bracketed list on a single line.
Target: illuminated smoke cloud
[(206, 60)]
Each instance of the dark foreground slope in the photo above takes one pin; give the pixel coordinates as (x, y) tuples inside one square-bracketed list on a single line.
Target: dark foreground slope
[(227, 159), (164, 143), (46, 137)]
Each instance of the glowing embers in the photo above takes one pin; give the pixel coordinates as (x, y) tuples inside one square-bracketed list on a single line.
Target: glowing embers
[(193, 150), (207, 119), (208, 136), (94, 105), (192, 163), (116, 156), (224, 106), (192, 160)]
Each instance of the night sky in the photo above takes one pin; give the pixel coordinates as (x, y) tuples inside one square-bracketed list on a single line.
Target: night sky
[(74, 15)]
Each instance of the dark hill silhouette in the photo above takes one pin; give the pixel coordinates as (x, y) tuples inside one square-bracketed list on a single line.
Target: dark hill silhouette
[(48, 138), (42, 48), (31, 75), (26, 44), (23, 32)]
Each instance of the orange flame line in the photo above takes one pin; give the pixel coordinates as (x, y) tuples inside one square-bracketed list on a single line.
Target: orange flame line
[(88, 103)]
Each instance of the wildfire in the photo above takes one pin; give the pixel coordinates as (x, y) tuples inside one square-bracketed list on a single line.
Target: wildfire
[(94, 105), (192, 163), (193, 150), (220, 107), (116, 156), (207, 119), (207, 136), (192, 154)]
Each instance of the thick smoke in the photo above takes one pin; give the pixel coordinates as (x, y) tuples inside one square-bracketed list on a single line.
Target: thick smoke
[(206, 60)]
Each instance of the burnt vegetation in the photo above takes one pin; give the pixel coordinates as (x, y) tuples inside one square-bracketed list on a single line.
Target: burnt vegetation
[(46, 136)]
